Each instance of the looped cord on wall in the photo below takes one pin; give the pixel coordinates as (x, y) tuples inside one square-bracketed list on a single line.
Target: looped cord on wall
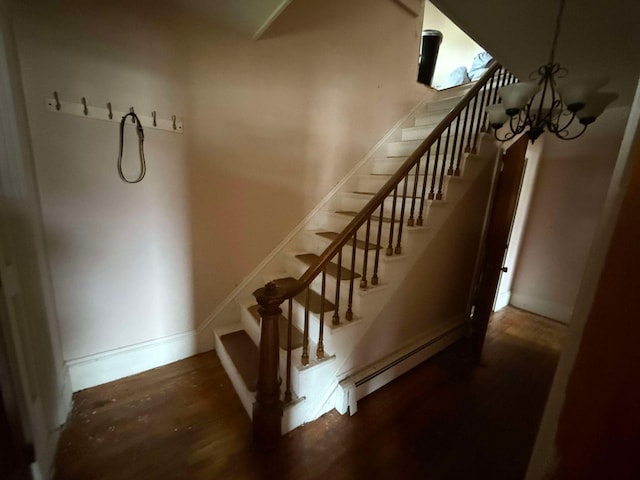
[(140, 132)]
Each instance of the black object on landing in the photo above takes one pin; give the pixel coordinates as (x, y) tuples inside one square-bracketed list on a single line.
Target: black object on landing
[(429, 48)]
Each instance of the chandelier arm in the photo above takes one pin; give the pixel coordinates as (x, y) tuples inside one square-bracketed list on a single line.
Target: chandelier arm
[(520, 125), (569, 122), (564, 137), (506, 137)]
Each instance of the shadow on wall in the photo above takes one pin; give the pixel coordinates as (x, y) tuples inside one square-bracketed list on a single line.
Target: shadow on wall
[(270, 127)]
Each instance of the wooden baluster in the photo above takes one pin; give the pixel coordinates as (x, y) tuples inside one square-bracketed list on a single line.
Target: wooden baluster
[(453, 150), (411, 220), (505, 77), (482, 115), (320, 349), (349, 314), (485, 121), (374, 277), (393, 219), (434, 175), (398, 249), (495, 82), (365, 260), (479, 120), (267, 409), (287, 391), (336, 313), (464, 131), (444, 164), (494, 87), (419, 220), (469, 148), (305, 333)]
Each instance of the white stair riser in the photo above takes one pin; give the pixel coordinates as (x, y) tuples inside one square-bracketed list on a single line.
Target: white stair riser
[(385, 266), (416, 133), (354, 202), (374, 183), (390, 165), (338, 222), (406, 148), (295, 268)]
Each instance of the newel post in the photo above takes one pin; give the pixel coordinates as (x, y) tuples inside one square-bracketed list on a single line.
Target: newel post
[(267, 409)]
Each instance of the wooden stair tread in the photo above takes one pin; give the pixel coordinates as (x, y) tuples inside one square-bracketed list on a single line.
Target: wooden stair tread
[(314, 298), (398, 196), (359, 243), (245, 356), (296, 335), (332, 268)]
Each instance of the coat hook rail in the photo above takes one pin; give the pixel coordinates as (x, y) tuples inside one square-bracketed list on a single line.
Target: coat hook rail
[(110, 114)]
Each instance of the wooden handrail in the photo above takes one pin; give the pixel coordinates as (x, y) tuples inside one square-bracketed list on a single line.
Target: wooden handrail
[(369, 209)]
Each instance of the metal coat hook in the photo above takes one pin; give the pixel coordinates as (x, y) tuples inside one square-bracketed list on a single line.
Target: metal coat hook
[(110, 113)]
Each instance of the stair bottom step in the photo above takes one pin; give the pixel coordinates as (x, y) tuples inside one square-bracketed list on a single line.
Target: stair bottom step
[(245, 356)]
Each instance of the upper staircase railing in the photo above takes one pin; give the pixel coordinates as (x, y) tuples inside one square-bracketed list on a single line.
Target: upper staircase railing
[(440, 154)]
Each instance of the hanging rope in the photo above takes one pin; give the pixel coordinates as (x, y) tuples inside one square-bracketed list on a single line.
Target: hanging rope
[(140, 132)]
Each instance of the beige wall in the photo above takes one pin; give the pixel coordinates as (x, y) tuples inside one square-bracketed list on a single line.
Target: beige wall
[(437, 288), (270, 127), (567, 202)]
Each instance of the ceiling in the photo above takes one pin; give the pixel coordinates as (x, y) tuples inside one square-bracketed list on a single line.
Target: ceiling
[(250, 17), (595, 35)]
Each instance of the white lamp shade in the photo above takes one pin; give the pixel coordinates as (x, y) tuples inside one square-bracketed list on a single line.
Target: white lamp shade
[(595, 105), (516, 95), (496, 115), (575, 92)]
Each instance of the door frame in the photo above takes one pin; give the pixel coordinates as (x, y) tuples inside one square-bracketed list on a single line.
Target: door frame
[(499, 224)]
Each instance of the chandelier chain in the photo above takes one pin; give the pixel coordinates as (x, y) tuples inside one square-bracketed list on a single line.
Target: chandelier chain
[(557, 32)]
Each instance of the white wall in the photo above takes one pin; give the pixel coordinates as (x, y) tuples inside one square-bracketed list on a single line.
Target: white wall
[(270, 127), (435, 292), (457, 48), (30, 337), (568, 198)]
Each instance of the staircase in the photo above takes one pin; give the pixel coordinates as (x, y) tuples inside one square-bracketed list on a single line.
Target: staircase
[(333, 322)]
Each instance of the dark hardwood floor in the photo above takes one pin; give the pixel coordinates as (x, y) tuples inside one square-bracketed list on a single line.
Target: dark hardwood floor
[(445, 419)]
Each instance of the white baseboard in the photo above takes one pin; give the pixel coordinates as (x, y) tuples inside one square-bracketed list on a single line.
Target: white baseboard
[(370, 379), (108, 366), (502, 300), (555, 311)]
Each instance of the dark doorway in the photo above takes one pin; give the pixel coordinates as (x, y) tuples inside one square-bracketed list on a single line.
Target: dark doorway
[(14, 463)]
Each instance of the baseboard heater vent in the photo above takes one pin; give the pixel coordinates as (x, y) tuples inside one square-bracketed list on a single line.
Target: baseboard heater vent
[(370, 379)]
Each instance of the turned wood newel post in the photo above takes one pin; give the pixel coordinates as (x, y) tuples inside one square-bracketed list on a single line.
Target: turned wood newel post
[(267, 409)]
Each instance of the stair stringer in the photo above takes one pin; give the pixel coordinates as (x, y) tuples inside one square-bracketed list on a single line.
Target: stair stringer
[(473, 192)]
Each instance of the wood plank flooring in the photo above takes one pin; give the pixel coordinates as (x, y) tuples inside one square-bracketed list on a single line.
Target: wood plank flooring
[(445, 419)]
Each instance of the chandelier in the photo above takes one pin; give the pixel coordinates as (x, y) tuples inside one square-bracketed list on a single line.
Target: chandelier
[(549, 101)]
